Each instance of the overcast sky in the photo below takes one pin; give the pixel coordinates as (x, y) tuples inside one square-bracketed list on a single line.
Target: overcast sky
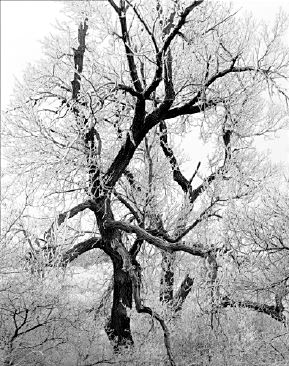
[(25, 23)]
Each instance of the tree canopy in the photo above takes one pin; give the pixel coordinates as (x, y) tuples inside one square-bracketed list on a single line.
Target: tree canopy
[(101, 139)]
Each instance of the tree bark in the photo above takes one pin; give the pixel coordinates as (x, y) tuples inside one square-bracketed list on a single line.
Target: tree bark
[(167, 278), (118, 326)]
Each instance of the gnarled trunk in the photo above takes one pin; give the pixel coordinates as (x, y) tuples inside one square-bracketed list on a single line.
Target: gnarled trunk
[(118, 327)]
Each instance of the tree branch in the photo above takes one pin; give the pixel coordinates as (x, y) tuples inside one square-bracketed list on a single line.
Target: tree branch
[(133, 139), (184, 183), (128, 89), (67, 215), (131, 180), (141, 309), (127, 45), (193, 106), (135, 248), (80, 248), (78, 59), (141, 19), (193, 225), (177, 174), (180, 23), (127, 205), (274, 311), (157, 242), (163, 234), (116, 8), (182, 293), (159, 56)]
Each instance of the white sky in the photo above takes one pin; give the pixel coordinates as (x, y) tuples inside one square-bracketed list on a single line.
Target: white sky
[(25, 23)]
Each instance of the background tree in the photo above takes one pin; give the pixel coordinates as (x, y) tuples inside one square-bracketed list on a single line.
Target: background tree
[(98, 123), (259, 240)]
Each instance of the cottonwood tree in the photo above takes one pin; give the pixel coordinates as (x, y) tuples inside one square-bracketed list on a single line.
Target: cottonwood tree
[(93, 132)]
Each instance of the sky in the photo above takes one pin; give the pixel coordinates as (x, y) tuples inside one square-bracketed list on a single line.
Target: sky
[(25, 23)]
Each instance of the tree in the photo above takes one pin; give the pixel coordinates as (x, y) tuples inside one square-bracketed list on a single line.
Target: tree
[(97, 123), (31, 320), (43, 320), (259, 244), (32, 317)]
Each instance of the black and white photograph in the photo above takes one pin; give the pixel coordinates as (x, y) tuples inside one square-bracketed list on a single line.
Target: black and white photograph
[(144, 183)]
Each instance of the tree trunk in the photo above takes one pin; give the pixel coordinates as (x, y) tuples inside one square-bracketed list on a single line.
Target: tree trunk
[(167, 278), (118, 326)]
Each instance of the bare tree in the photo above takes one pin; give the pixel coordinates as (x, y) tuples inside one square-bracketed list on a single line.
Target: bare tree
[(97, 123)]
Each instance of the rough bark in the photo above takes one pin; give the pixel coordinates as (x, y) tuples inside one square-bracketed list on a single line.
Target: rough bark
[(118, 326), (167, 278)]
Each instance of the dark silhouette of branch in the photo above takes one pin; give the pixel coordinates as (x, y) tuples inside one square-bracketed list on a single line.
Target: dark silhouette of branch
[(195, 172), (196, 105), (180, 23), (179, 178), (67, 215), (168, 152), (128, 206), (141, 19), (116, 8), (128, 89), (131, 179), (159, 56), (135, 248), (274, 311), (157, 242), (182, 293), (121, 11), (80, 248), (78, 58)]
